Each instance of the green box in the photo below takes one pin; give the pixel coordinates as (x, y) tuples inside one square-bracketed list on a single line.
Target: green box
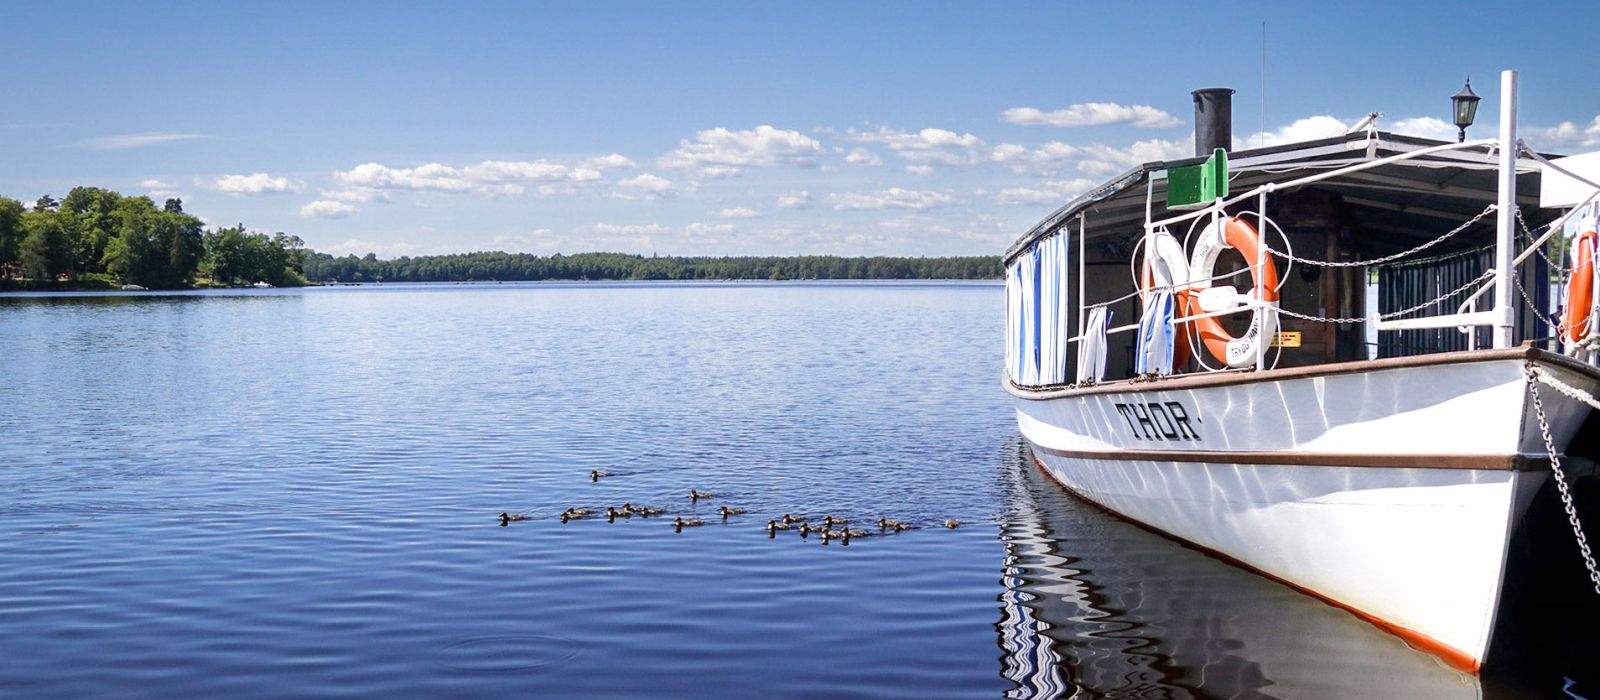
[(1198, 185)]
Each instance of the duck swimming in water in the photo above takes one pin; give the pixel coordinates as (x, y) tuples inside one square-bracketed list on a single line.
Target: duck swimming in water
[(679, 523), (612, 513), (575, 514), (792, 519), (726, 511), (647, 511), (509, 518), (697, 495), (830, 521), (596, 474), (952, 523), (773, 526)]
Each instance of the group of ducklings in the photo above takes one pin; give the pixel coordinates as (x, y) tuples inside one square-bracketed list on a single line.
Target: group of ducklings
[(829, 529)]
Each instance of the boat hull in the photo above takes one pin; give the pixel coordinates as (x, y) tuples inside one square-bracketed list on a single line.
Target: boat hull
[(1392, 491)]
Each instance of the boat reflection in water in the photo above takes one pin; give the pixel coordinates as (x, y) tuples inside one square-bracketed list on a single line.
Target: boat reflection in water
[(1094, 605)]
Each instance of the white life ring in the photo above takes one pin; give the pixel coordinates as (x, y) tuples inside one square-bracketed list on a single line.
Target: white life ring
[(1167, 268), (1234, 232)]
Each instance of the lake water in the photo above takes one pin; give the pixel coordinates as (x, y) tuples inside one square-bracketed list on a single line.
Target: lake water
[(292, 493)]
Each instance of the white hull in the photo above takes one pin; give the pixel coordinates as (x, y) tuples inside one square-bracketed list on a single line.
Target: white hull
[(1392, 492)]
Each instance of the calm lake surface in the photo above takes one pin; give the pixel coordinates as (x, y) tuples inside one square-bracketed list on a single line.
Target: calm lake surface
[(292, 493)]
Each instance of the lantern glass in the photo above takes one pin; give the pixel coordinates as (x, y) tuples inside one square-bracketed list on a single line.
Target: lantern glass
[(1466, 106)]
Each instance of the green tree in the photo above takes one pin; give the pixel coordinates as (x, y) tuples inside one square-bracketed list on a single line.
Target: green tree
[(45, 203), (44, 251), (90, 225), (10, 232), (174, 205)]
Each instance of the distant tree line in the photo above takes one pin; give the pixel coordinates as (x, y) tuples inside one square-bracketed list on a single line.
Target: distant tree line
[(509, 267), (99, 235)]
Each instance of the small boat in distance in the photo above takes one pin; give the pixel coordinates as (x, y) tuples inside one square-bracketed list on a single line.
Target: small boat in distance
[(1380, 459), (261, 285), (133, 288)]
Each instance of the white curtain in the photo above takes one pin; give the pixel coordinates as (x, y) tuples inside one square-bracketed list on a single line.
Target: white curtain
[(1037, 314)]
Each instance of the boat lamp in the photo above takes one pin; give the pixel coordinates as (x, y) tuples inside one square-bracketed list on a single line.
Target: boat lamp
[(1466, 109)]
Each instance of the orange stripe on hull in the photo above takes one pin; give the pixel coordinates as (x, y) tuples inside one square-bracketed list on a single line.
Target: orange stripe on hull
[(1450, 655)]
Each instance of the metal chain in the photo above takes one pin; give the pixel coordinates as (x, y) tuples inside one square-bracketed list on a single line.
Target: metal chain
[(1527, 234), (1516, 280), (1387, 258), (1561, 476), (1392, 314)]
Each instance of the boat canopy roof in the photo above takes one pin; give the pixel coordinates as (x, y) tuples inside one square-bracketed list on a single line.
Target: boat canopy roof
[(1409, 201)]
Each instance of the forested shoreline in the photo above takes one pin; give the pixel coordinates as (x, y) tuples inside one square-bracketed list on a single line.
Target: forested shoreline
[(97, 238)]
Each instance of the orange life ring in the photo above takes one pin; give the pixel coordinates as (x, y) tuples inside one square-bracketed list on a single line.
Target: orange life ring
[(1241, 236), (1580, 287)]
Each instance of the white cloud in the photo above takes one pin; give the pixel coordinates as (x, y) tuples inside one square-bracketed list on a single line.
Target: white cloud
[(1045, 160), (356, 246), (254, 183), (327, 209), (1092, 114), (1426, 127), (919, 169), (1307, 129), (154, 184), (645, 182), (862, 156), (614, 160), (894, 197), (721, 152), (927, 147), (629, 229), (699, 228), (739, 213), (159, 190), (1569, 134), (1106, 159), (1049, 192), (125, 141), (794, 200), (490, 177)]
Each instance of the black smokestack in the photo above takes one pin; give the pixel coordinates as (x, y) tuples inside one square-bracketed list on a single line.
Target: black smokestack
[(1213, 120)]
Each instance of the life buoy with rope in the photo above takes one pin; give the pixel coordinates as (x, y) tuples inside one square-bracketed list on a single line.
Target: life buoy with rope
[(1165, 267), (1579, 315), (1236, 233)]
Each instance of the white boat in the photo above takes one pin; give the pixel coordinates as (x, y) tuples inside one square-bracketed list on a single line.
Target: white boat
[(133, 288), (262, 285), (1389, 486)]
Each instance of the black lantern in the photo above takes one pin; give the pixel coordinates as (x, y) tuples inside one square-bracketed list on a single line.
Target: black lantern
[(1466, 108)]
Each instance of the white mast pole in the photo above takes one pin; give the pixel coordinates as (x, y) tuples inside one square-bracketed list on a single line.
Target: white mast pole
[(1083, 268), (1504, 310)]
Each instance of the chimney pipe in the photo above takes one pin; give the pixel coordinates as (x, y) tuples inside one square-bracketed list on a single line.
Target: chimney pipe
[(1213, 120)]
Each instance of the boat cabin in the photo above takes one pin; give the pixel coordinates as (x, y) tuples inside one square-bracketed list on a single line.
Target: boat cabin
[(1365, 236)]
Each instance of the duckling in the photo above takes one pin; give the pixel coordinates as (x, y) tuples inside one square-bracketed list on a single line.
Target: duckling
[(678, 523), (902, 527), (647, 511), (575, 514), (952, 523), (509, 518), (596, 474), (773, 526), (830, 521), (828, 535), (791, 519), (887, 523), (726, 511), (806, 530), (612, 514), (697, 495), (855, 533)]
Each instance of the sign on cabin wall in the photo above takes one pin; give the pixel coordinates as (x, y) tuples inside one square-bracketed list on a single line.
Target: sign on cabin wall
[(1558, 191), (1286, 339)]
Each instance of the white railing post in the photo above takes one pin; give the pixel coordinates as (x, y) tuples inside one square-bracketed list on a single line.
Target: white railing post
[(1260, 278), (1506, 215)]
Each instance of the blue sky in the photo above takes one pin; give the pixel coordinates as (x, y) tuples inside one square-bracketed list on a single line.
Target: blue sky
[(720, 128)]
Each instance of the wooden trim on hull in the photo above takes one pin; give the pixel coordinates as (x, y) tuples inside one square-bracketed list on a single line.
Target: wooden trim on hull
[(1518, 463), (1417, 640), (1185, 382)]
